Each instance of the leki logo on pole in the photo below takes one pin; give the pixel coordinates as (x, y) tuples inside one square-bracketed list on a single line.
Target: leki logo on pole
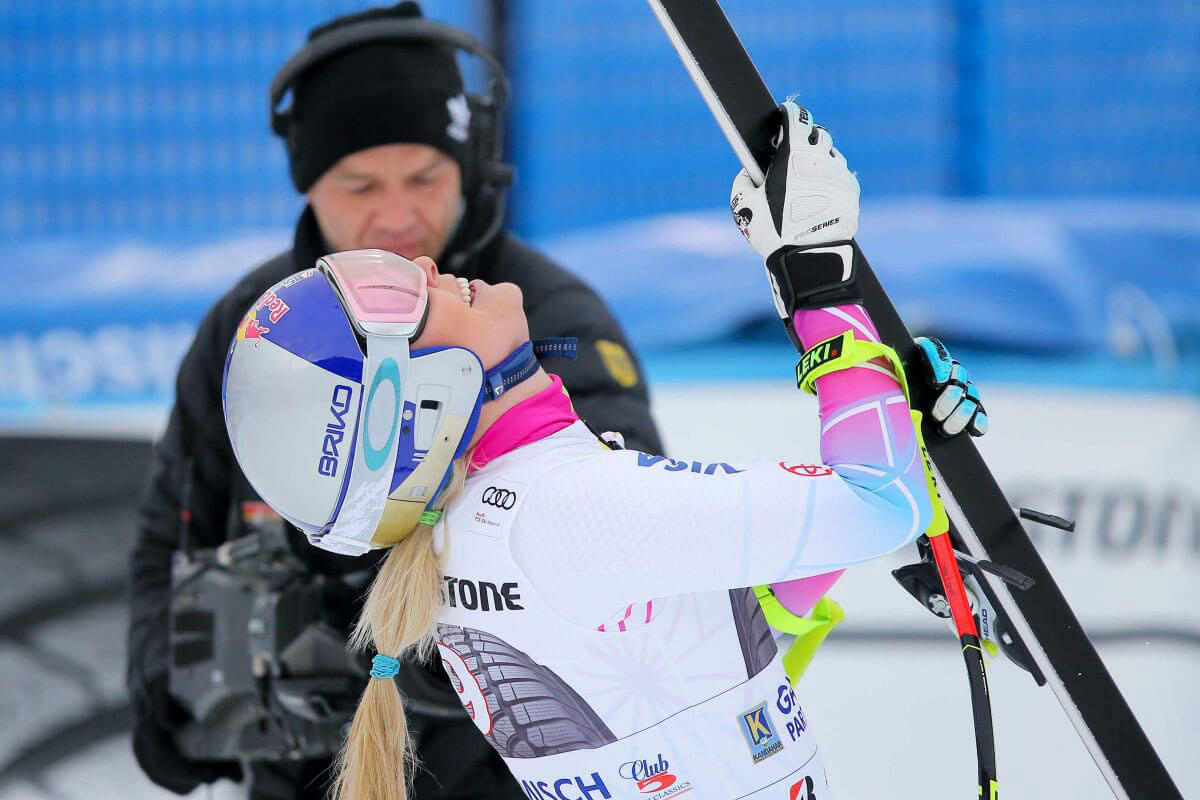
[(820, 353)]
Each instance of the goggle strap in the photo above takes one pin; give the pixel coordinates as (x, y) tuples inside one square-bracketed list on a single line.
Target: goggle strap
[(523, 363), (385, 372), (557, 347)]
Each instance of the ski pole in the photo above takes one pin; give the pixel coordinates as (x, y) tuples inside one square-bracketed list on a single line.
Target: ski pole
[(968, 637)]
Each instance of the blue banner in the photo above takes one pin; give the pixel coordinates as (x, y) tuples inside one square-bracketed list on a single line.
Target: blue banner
[(92, 333)]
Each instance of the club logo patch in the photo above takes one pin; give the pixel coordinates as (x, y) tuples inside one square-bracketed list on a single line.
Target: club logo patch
[(760, 733)]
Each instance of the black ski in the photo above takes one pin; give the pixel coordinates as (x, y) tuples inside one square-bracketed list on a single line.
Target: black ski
[(983, 522)]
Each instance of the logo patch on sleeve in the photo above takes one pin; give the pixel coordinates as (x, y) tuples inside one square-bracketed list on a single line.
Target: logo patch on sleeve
[(618, 363), (760, 733), (819, 354), (495, 507)]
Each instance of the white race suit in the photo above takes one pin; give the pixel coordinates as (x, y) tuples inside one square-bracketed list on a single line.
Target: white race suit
[(596, 620)]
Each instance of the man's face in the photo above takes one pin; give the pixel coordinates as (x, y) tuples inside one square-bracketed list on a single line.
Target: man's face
[(399, 197)]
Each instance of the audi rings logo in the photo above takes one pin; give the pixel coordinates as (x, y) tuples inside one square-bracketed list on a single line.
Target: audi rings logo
[(500, 498)]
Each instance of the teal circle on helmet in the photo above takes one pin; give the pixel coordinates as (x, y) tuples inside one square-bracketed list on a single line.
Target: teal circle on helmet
[(376, 457)]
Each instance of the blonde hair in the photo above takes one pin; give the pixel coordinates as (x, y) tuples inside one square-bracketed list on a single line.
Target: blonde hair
[(397, 619)]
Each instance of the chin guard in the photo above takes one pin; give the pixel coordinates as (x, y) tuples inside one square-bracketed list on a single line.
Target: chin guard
[(441, 407), (444, 412)]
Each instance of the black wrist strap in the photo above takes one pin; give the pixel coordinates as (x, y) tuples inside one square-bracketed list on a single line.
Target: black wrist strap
[(817, 276)]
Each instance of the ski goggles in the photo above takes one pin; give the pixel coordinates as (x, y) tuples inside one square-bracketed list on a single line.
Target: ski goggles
[(384, 294), (386, 298)]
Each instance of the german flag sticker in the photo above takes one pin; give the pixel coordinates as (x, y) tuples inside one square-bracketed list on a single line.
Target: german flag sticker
[(618, 363)]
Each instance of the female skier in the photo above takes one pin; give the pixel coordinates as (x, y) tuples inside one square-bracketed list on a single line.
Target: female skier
[(594, 607)]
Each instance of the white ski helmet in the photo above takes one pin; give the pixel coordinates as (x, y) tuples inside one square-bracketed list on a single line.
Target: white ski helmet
[(350, 447)]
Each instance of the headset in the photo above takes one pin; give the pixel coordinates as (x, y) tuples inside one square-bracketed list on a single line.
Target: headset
[(488, 176)]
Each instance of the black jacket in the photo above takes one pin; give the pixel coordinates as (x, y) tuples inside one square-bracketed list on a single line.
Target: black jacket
[(605, 382)]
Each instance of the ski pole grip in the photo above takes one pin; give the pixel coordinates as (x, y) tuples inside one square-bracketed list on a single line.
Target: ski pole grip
[(952, 582)]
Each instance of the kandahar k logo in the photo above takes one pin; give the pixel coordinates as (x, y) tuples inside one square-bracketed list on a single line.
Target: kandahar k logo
[(760, 733), (500, 498)]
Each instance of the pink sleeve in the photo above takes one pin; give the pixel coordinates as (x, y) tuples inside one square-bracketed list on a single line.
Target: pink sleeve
[(800, 595), (866, 431)]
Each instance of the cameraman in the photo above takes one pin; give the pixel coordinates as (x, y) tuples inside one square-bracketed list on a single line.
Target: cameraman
[(389, 154)]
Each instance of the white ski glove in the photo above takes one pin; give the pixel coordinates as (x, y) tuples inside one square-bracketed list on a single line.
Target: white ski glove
[(810, 196), (802, 220)]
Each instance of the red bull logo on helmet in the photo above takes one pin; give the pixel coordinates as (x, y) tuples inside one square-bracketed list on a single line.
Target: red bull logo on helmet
[(251, 329), (276, 308)]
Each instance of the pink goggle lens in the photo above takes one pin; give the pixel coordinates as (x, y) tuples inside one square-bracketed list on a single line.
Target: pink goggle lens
[(379, 286)]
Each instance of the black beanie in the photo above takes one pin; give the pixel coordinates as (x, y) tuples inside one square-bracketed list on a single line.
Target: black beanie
[(382, 92)]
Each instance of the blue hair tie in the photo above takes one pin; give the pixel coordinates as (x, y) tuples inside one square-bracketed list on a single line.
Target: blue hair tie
[(384, 667)]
